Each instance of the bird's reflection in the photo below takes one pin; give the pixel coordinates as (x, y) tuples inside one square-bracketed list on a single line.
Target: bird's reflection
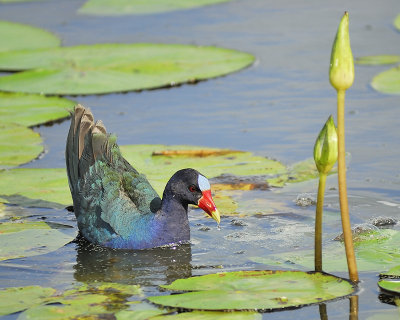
[(144, 267)]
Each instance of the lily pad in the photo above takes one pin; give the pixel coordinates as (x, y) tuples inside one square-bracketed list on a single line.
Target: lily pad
[(105, 68), (373, 254), (125, 7), (378, 60), (18, 145), (254, 290), (16, 36), (387, 81), (20, 298), (159, 165), (25, 239), (397, 22), (49, 185), (393, 273), (392, 286), (211, 315), (32, 109), (94, 300)]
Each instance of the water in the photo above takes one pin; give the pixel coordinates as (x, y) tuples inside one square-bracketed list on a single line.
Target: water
[(275, 107)]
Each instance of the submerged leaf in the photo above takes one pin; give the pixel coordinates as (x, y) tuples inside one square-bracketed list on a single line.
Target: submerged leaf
[(18, 145), (387, 81), (31, 109), (16, 36), (105, 68), (254, 290), (124, 7)]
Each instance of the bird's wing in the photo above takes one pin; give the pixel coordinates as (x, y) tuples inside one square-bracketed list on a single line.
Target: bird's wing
[(110, 196)]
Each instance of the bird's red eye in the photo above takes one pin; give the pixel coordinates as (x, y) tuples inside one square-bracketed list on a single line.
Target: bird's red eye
[(192, 188)]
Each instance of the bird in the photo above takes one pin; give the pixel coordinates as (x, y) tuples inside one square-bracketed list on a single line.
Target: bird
[(115, 205)]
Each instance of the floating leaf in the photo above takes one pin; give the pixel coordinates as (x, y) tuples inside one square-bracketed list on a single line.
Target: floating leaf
[(373, 254), (387, 81), (20, 298), (93, 300), (18, 145), (254, 290), (393, 273), (104, 68), (392, 286), (31, 109), (25, 239), (378, 60), (50, 185), (397, 22), (159, 169), (16, 36), (124, 7), (211, 315), (138, 314)]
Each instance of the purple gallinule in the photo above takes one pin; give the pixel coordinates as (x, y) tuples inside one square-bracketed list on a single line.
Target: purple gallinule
[(115, 206)]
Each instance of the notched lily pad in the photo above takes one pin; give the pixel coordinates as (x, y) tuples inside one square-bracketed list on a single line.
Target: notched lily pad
[(16, 36), (18, 145), (387, 81), (105, 68), (254, 290), (125, 7), (32, 109), (20, 298)]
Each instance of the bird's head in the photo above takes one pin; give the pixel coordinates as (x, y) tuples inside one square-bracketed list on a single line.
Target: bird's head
[(191, 187)]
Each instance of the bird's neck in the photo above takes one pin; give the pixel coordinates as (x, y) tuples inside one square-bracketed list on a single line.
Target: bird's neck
[(173, 220)]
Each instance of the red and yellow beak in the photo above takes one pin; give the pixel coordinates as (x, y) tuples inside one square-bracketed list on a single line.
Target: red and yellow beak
[(206, 203)]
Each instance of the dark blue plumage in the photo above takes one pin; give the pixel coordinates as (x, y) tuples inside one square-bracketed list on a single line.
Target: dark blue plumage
[(115, 205)]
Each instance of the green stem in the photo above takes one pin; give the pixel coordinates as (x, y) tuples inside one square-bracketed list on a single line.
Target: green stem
[(318, 223), (344, 206)]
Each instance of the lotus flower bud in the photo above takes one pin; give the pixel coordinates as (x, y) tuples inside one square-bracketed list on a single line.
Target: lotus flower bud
[(326, 147), (341, 71)]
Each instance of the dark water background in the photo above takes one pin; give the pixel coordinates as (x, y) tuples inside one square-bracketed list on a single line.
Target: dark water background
[(274, 108)]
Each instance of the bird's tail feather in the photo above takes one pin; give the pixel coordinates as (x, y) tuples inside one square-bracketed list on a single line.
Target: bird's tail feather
[(86, 142)]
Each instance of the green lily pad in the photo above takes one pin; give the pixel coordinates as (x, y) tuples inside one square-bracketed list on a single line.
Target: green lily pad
[(125, 7), (138, 314), (378, 60), (105, 68), (387, 81), (31, 109), (18, 145), (373, 254), (397, 22), (160, 162), (254, 290), (93, 300), (393, 273), (25, 238), (16, 36), (49, 185), (392, 286), (20, 298), (211, 315)]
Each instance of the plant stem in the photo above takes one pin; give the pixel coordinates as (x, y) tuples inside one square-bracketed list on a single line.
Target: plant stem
[(344, 206), (318, 223)]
